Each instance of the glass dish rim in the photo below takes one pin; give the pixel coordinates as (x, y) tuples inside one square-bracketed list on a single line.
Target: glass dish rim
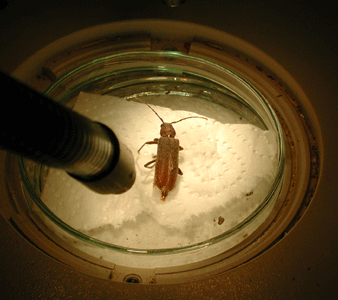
[(64, 226)]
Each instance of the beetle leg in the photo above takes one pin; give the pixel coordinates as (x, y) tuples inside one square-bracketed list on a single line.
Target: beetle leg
[(180, 171), (149, 163), (155, 141), (164, 194)]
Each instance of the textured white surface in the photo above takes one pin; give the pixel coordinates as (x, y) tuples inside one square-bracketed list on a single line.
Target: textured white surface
[(227, 169)]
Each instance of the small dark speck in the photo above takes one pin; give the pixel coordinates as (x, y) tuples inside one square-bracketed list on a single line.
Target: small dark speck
[(249, 194), (220, 220), (293, 278), (48, 73)]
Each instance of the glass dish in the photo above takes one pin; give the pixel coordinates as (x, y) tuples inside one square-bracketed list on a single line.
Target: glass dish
[(158, 78)]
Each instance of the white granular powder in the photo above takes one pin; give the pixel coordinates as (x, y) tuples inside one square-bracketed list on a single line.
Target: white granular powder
[(227, 167)]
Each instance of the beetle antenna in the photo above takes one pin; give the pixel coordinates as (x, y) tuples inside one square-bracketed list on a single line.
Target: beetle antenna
[(150, 108), (188, 118)]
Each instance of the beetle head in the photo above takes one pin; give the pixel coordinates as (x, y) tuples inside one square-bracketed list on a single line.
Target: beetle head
[(167, 130)]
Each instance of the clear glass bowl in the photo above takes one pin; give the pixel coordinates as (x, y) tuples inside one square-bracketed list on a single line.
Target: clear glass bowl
[(148, 75)]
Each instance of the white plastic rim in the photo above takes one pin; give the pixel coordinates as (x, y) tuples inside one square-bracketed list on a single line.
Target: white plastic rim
[(290, 103)]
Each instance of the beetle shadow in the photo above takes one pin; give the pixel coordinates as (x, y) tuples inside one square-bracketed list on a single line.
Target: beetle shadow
[(181, 159)]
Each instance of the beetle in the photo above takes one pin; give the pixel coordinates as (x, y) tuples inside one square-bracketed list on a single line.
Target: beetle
[(166, 159)]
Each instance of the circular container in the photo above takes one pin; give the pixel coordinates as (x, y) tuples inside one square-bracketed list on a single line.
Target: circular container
[(204, 75), (154, 76)]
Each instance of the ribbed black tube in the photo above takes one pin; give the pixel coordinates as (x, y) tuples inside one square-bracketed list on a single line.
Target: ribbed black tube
[(40, 129)]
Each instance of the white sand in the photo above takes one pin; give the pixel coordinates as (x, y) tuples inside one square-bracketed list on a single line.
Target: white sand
[(228, 168)]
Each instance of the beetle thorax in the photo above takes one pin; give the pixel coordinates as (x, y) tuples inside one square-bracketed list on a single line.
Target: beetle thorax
[(167, 130)]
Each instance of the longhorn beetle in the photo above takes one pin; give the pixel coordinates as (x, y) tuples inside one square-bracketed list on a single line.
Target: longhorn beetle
[(166, 160)]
